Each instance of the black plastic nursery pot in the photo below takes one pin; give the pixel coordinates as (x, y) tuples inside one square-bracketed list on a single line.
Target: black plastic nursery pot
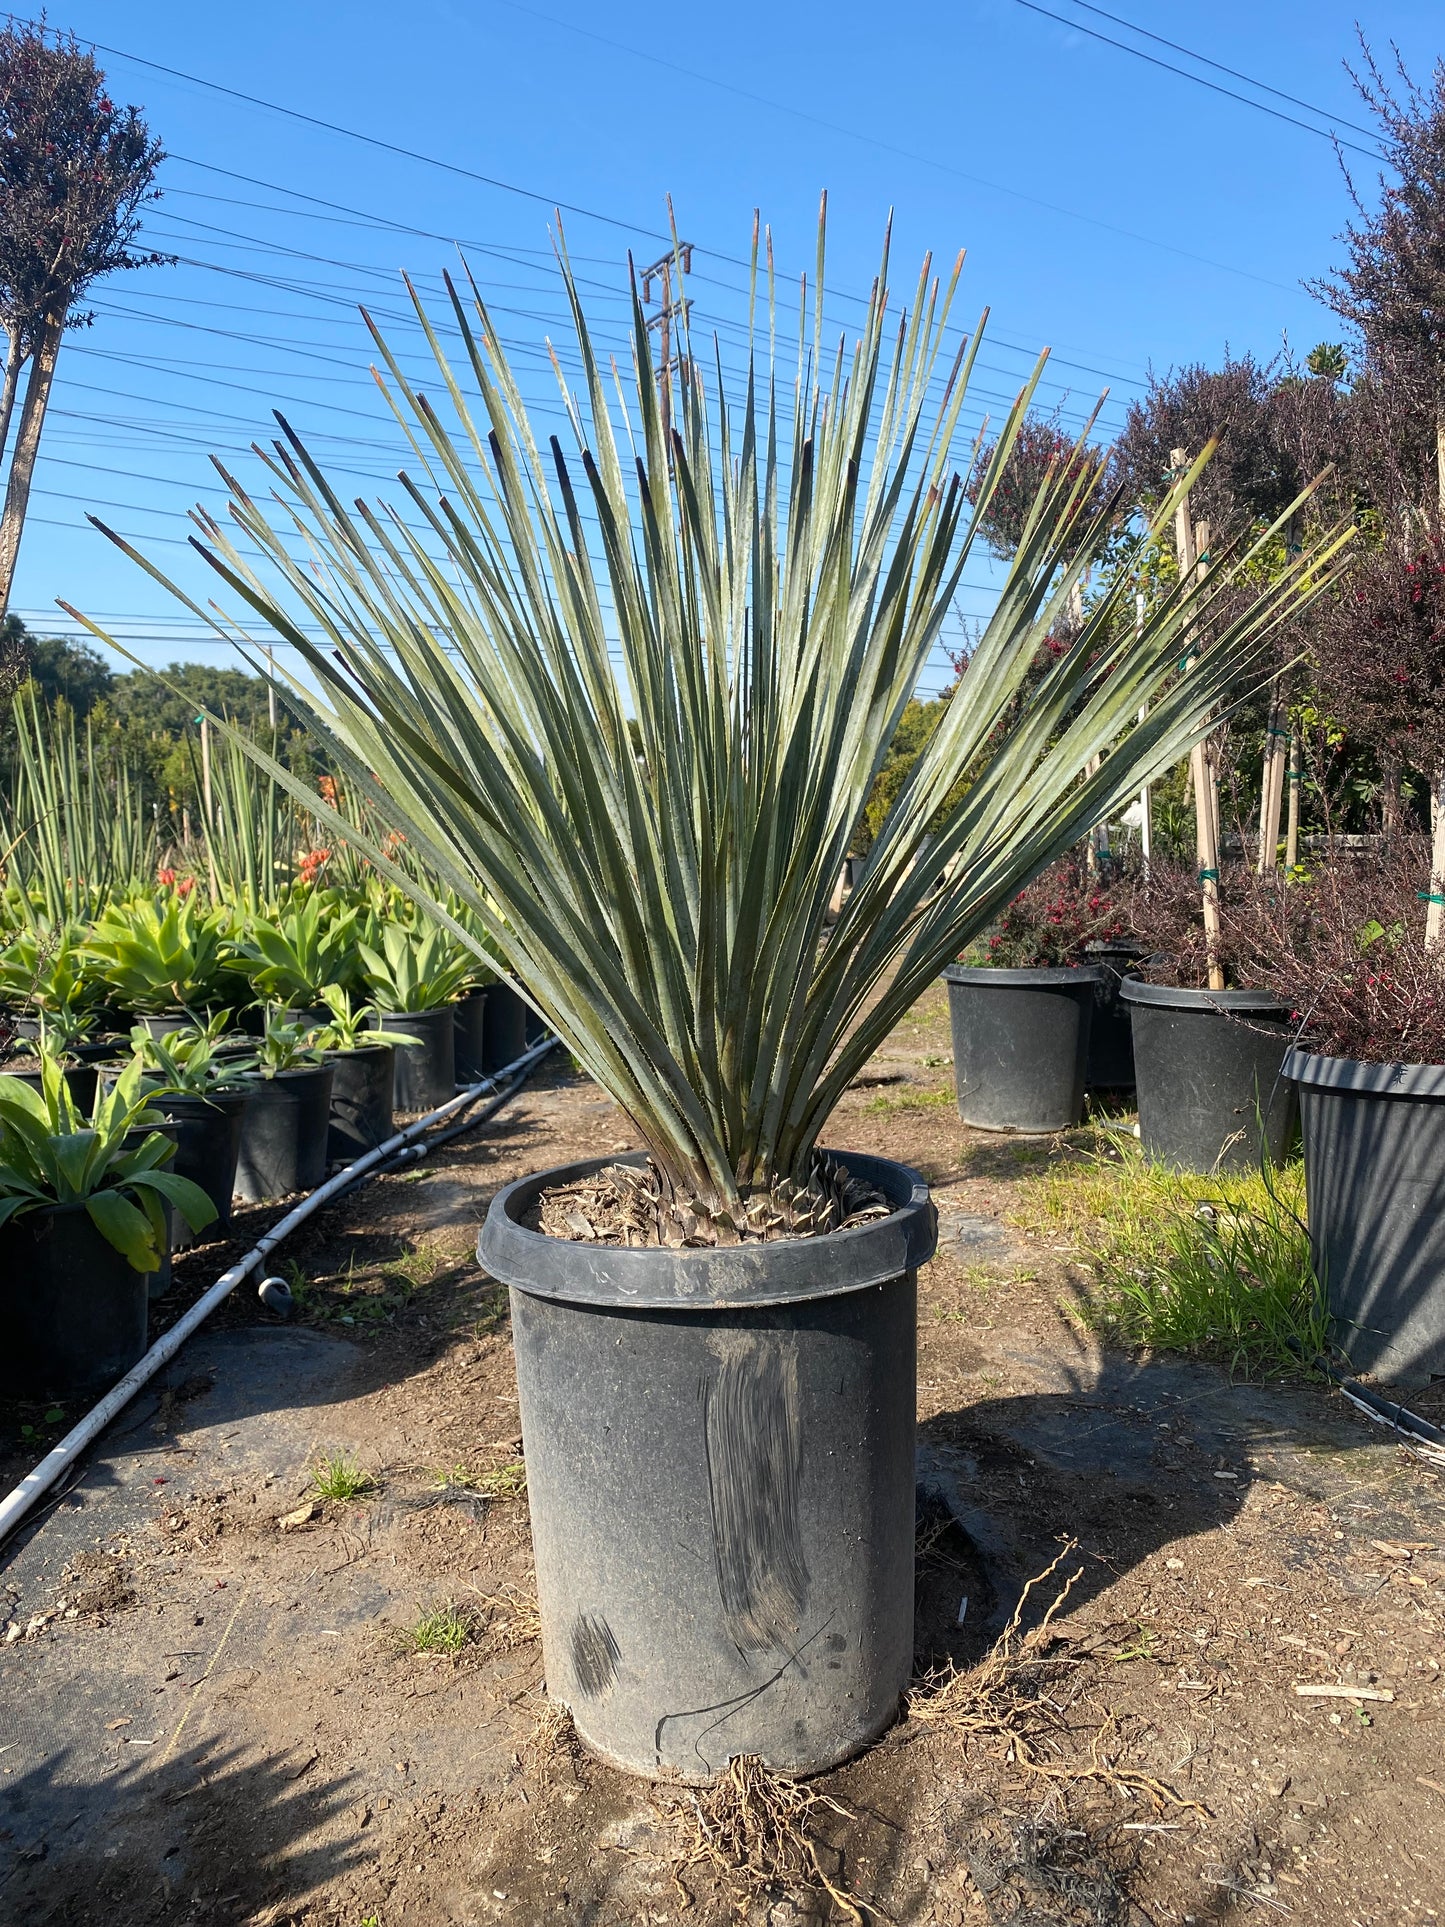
[(469, 1020), (80, 1079), (423, 1074), (361, 1106), (72, 1310), (1111, 1036), (161, 1023), (208, 1144), (284, 1132), (719, 1449), (1021, 1044), (504, 1029), (1207, 1072), (1374, 1138)]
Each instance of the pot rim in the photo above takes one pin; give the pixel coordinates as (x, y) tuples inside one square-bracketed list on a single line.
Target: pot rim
[(1036, 976), (254, 1080), (1134, 990), (1352, 1077), (778, 1272)]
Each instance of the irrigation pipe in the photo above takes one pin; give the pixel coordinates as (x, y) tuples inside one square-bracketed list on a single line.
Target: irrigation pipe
[(17, 1503)]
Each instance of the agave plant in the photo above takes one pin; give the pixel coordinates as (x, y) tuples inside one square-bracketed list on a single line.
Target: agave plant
[(156, 955), (352, 1025), (50, 1154), (419, 966), (628, 702), (47, 970), (284, 1046), (295, 953)]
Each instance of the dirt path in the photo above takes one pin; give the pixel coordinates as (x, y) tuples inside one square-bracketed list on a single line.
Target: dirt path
[(209, 1712)]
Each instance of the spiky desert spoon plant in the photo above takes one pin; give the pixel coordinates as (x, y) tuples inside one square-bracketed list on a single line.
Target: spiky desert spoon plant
[(629, 703)]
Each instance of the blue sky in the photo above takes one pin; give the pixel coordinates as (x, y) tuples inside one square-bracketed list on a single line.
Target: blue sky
[(1122, 215)]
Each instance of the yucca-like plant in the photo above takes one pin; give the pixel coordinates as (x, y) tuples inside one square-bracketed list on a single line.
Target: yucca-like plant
[(628, 702)]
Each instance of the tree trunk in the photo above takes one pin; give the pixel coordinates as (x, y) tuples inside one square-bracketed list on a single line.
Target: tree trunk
[(1390, 795), (27, 447), (14, 362)]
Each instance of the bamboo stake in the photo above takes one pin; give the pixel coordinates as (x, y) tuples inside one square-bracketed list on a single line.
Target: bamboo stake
[(1206, 812), (1435, 893), (1296, 777), (1146, 801), (1276, 742)]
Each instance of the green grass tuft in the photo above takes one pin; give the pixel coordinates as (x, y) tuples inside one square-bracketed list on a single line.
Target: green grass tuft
[(1214, 1266), (340, 1476), (445, 1629)]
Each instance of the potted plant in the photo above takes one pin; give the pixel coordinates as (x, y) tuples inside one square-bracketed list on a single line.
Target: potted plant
[(291, 955), (362, 1057), (1368, 998), (413, 978), (53, 1041), (82, 1221), (47, 978), (637, 738), (1207, 1059), (162, 959), (1021, 1004), (285, 1126), (203, 1093)]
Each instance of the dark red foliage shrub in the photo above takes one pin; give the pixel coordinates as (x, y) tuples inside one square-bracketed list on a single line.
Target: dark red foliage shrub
[(1379, 649), (1053, 922)]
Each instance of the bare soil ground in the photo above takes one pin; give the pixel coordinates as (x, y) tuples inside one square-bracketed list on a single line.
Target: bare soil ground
[(210, 1711)]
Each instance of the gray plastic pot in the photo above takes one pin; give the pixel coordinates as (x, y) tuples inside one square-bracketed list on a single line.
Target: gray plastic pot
[(1020, 1044), (1207, 1076), (425, 1074), (1374, 1138), (361, 1107), (284, 1132), (469, 1015), (719, 1449), (72, 1310), (504, 1028)]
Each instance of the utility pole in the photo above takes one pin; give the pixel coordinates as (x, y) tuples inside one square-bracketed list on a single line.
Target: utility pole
[(670, 306)]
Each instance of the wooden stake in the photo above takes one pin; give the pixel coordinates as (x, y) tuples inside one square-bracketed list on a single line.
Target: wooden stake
[(1201, 768), (206, 773)]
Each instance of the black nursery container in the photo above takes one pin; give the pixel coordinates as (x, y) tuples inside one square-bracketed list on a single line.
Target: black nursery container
[(1111, 1035), (504, 1029), (80, 1081), (719, 1448), (469, 1020), (72, 1311), (1021, 1044), (1207, 1072), (284, 1133), (424, 1075), (1374, 1137), (361, 1107), (208, 1144)]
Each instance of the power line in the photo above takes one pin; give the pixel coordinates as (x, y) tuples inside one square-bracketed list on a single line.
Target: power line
[(1335, 120), (1077, 26), (653, 234)]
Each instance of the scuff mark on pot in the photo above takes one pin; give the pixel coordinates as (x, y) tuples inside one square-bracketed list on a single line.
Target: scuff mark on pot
[(753, 1439), (594, 1655)]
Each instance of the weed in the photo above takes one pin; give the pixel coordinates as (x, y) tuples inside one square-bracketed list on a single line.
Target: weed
[(512, 1618), (504, 1481), (1215, 1265), (910, 1101), (340, 1476), (445, 1629)]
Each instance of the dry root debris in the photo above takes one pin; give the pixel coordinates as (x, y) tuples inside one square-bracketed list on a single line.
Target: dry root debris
[(755, 1830), (631, 1204), (1010, 1698)]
